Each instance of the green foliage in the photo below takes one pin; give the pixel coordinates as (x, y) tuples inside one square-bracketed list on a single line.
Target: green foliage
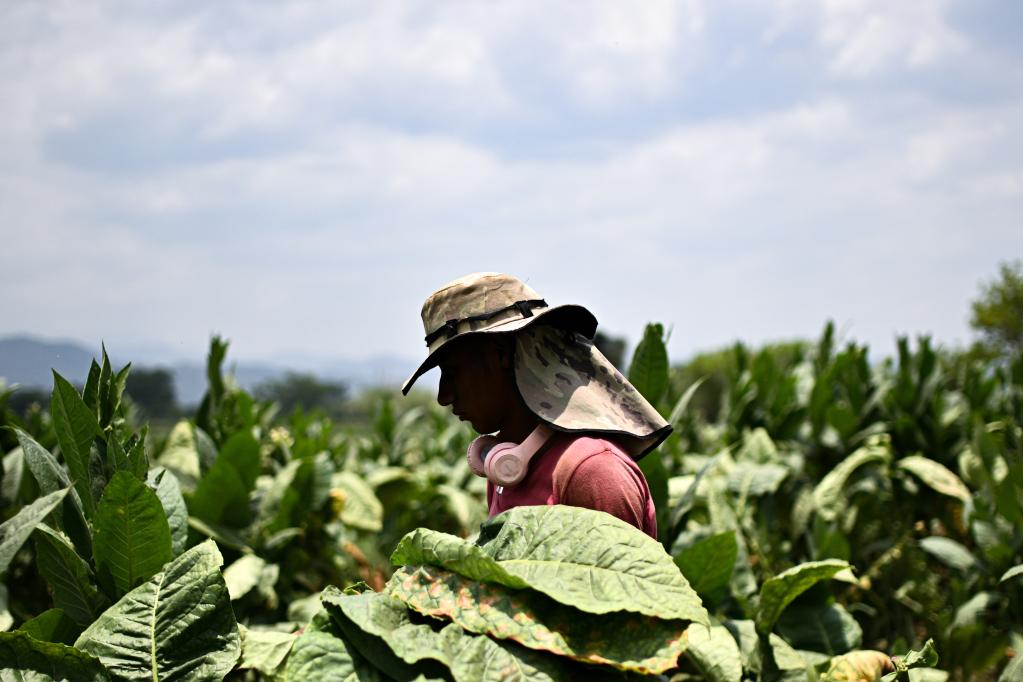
[(52, 625), (176, 626), (777, 592), (131, 537), (909, 470), (22, 657), (17, 529), (648, 371), (998, 312), (69, 576), (77, 428)]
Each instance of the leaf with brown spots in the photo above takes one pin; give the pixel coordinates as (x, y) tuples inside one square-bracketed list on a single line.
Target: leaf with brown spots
[(379, 627), (627, 641), (579, 557), (859, 666)]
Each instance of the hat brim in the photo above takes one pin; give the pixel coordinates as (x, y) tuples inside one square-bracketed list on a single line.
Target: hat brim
[(569, 316)]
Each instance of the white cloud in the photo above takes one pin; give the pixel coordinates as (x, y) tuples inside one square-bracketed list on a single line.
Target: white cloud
[(868, 36), (367, 154)]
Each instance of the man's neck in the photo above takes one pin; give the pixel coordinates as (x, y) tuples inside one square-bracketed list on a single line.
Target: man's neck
[(519, 425)]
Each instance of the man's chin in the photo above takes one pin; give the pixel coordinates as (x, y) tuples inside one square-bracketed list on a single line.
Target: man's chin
[(482, 429)]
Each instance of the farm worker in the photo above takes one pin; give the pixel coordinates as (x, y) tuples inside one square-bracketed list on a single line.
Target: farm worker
[(568, 427)]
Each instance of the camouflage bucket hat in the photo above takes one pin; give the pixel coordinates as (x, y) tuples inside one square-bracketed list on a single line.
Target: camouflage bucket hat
[(489, 302), (566, 381), (562, 377)]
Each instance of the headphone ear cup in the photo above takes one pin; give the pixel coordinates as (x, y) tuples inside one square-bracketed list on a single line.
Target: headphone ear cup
[(505, 465), (475, 454)]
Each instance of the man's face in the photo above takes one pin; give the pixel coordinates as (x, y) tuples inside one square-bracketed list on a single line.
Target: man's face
[(477, 381)]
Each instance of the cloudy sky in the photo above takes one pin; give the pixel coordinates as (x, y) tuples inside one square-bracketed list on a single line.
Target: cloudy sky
[(299, 176)]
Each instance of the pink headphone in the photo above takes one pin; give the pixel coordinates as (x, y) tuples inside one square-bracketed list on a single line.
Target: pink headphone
[(505, 463)]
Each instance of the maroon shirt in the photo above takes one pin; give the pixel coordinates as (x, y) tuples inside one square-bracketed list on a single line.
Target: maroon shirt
[(582, 471)]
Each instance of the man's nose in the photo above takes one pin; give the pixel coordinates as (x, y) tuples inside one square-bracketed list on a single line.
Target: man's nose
[(444, 394)]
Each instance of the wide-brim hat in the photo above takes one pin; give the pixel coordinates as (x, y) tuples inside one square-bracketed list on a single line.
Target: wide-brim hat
[(561, 375), (489, 303)]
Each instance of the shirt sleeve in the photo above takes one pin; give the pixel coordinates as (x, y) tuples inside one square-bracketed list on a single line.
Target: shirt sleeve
[(600, 480)]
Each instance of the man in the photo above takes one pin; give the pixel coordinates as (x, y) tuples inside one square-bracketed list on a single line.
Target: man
[(569, 427)]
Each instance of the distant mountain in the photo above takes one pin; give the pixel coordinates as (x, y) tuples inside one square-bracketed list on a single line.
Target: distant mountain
[(27, 360)]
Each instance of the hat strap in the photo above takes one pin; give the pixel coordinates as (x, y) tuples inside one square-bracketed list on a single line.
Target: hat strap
[(450, 327)]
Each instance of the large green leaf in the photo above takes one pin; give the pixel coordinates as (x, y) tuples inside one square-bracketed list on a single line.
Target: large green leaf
[(131, 537), (15, 530), (359, 505), (709, 563), (754, 479), (776, 593), (177, 626), (68, 575), (937, 476), (828, 495), (422, 650), (820, 627), (379, 628), (299, 488), (648, 371), (24, 658), (579, 557), (537, 622), (714, 651), (76, 428), (51, 477), (242, 452), (52, 625), (222, 495), (181, 455), (319, 656), (264, 650), (169, 491)]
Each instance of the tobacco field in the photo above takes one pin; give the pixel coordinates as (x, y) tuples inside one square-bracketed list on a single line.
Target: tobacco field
[(831, 512)]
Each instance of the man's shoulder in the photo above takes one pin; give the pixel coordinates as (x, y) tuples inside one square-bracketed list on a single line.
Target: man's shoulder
[(584, 444), (588, 451)]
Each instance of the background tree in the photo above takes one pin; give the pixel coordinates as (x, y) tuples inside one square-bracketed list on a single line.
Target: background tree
[(998, 313), (306, 390), (152, 391)]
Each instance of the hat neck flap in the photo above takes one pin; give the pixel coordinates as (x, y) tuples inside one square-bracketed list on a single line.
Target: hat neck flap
[(567, 382)]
